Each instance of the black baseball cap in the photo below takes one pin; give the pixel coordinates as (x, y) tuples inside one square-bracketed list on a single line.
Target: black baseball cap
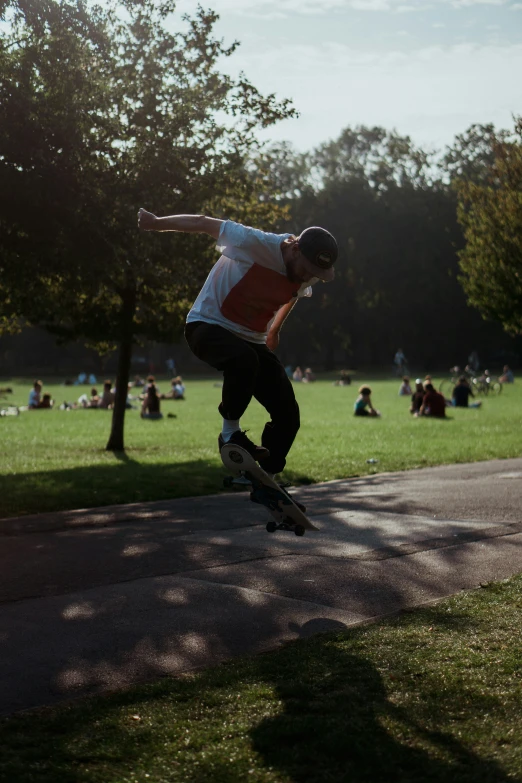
[(320, 249)]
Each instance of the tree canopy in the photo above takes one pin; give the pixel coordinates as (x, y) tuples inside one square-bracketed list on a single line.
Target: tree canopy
[(107, 108), (392, 208), (104, 108), (490, 212)]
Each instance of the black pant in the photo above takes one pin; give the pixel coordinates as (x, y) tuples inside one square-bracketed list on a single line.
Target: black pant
[(250, 370)]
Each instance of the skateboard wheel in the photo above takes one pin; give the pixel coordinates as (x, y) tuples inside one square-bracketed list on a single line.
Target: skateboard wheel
[(299, 530), (271, 527)]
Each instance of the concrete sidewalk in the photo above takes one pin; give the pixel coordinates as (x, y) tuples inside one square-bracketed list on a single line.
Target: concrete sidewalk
[(102, 598)]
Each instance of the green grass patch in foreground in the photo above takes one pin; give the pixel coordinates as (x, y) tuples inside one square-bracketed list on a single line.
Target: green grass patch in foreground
[(53, 460), (431, 695)]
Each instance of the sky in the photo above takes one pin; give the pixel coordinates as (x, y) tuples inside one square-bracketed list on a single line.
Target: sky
[(428, 70)]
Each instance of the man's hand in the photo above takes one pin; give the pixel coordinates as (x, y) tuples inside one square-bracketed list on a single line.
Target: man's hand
[(272, 340), (146, 220)]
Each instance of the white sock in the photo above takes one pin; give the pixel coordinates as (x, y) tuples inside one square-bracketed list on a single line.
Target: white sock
[(229, 427)]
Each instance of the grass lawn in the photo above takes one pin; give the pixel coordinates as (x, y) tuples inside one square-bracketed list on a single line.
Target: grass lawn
[(432, 695), (55, 459)]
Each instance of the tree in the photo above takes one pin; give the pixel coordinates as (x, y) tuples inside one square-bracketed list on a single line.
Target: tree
[(393, 212), (375, 157), (104, 109), (394, 222), (491, 216), (473, 152), (282, 173)]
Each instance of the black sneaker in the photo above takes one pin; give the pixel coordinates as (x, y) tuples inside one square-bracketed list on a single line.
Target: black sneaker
[(239, 438)]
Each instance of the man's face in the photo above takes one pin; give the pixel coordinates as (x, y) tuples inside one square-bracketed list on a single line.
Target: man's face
[(297, 267)]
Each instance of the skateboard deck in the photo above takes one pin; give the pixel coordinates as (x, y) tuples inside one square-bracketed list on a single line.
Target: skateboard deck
[(286, 515)]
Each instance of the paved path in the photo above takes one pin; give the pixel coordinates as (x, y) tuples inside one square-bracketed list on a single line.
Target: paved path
[(102, 598)]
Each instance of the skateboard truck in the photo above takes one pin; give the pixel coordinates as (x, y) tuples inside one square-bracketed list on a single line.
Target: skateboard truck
[(237, 482), (272, 526)]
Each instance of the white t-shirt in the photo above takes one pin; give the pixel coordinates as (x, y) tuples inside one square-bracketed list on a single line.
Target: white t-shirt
[(248, 284)]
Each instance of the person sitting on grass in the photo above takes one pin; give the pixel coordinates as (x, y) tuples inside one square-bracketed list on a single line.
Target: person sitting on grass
[(94, 399), (297, 375), (36, 401), (363, 404), (107, 398), (35, 395), (417, 397), (89, 402), (433, 404), (344, 379), (177, 390), (461, 394), (507, 375), (47, 402), (150, 408), (405, 388)]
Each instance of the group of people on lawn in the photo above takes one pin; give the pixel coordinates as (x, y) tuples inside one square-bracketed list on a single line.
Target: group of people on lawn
[(302, 376), (425, 399), (39, 401), (149, 398)]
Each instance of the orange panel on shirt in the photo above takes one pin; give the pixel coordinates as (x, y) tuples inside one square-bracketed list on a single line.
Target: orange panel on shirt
[(257, 297)]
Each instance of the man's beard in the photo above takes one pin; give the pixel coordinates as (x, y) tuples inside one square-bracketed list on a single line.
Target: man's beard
[(290, 274)]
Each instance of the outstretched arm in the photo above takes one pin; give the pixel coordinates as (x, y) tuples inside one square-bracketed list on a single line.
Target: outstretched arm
[(272, 338), (191, 224)]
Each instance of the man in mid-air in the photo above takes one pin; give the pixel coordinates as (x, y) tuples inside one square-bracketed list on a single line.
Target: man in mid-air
[(234, 323)]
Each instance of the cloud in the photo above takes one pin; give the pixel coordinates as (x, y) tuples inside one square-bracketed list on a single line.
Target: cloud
[(278, 9), (468, 3), (270, 9), (431, 93), (370, 5)]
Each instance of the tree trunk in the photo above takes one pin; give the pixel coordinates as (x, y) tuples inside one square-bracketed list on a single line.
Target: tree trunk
[(116, 441)]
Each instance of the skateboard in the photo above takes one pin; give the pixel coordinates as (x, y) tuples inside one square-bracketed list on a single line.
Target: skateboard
[(286, 515)]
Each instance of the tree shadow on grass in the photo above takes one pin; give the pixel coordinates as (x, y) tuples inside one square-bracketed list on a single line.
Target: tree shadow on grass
[(339, 724), (91, 486), (123, 456), (316, 710)]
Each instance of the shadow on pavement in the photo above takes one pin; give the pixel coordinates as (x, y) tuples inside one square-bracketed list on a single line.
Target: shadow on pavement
[(132, 595)]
